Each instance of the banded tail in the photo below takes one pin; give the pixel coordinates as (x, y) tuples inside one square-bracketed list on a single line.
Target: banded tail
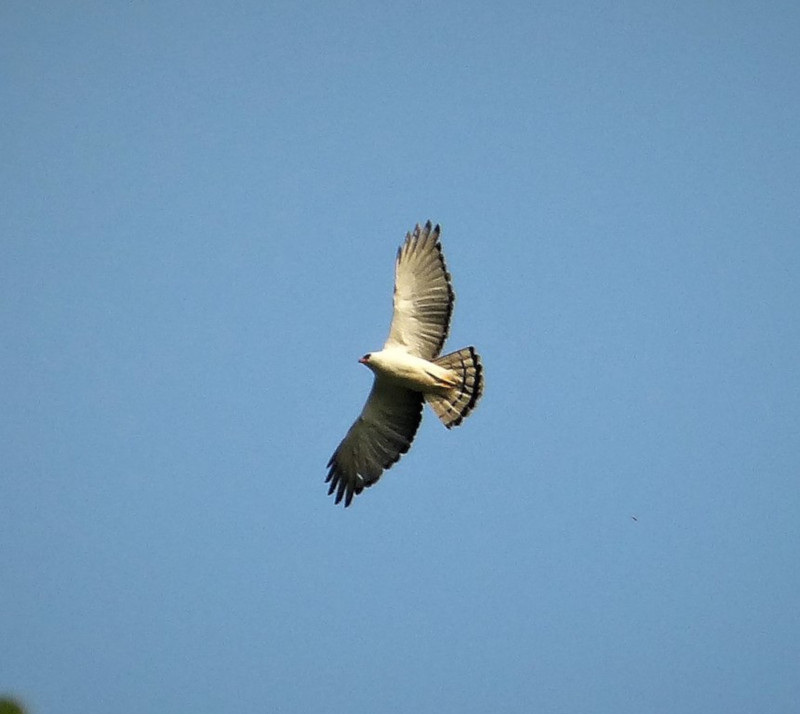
[(454, 405)]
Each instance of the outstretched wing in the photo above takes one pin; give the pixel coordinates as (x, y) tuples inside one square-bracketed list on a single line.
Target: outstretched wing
[(423, 295), (383, 431)]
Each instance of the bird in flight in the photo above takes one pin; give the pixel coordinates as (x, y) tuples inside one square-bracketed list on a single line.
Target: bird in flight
[(408, 370)]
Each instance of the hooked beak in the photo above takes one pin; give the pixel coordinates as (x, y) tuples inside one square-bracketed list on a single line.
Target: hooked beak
[(362, 360)]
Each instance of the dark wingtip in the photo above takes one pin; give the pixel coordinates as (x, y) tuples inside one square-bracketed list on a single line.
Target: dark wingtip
[(341, 490), (431, 230), (339, 485)]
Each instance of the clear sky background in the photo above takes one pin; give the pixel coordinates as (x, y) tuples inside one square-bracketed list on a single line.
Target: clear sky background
[(201, 204)]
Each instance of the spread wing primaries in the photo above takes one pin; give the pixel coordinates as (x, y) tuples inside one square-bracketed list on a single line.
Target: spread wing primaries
[(423, 295), (382, 433)]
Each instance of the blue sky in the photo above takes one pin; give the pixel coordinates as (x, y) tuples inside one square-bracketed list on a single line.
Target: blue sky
[(200, 209)]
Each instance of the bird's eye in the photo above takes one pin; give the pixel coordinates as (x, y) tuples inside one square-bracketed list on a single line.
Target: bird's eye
[(367, 356)]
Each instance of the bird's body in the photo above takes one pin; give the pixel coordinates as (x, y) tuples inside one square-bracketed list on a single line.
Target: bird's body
[(408, 370)]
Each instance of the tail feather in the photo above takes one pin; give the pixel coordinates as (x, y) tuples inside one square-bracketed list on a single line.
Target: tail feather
[(455, 404)]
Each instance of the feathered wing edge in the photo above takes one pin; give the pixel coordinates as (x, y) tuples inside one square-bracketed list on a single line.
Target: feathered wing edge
[(423, 294), (382, 433)]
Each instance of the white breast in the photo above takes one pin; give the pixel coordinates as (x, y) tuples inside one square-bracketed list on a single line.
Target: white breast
[(410, 371)]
